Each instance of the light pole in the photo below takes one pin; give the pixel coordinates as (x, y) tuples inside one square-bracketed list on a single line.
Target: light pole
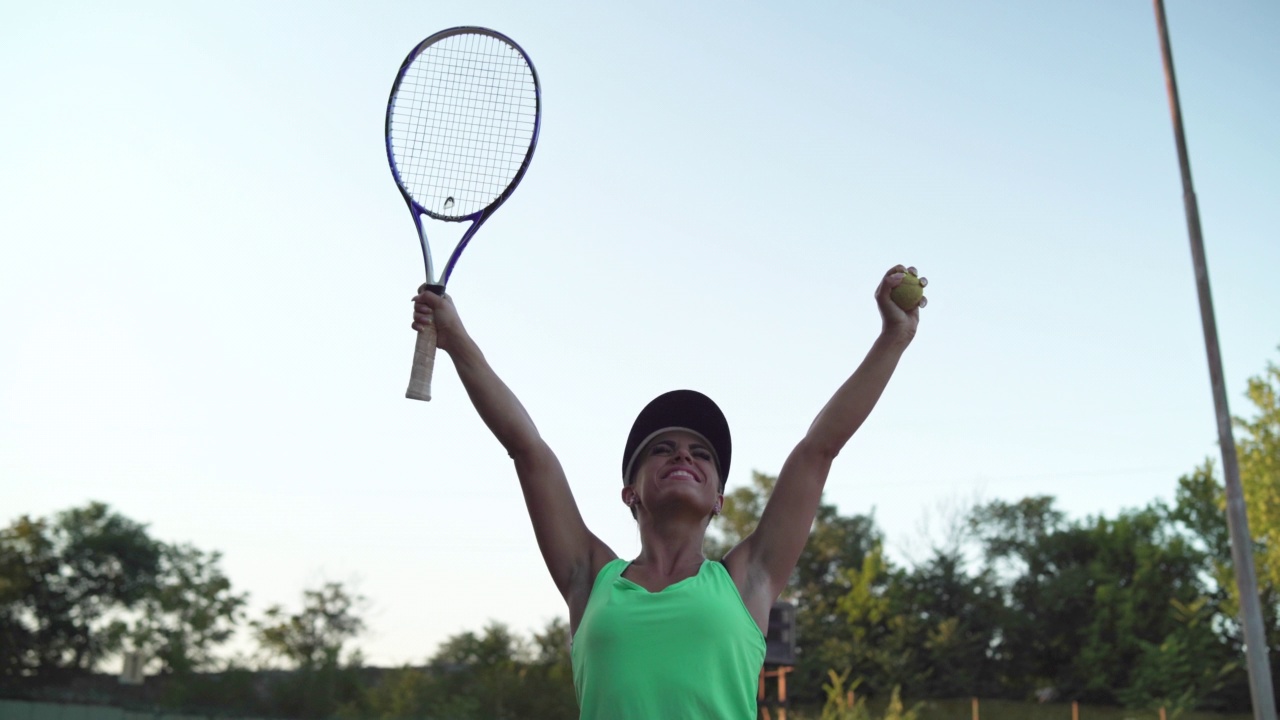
[(1260, 690)]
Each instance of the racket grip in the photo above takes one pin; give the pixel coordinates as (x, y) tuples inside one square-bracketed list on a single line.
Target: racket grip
[(424, 360)]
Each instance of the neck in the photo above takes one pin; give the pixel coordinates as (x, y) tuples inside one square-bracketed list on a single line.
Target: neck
[(673, 545)]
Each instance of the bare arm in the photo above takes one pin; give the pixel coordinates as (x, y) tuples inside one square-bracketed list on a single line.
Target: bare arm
[(569, 549), (764, 560)]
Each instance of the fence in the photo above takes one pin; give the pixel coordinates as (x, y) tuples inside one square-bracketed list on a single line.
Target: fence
[(20, 710), (934, 710)]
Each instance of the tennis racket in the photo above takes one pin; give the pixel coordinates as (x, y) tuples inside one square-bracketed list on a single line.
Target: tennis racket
[(462, 122)]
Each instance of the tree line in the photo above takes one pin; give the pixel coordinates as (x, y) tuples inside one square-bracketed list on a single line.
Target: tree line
[(1019, 601), (1015, 601)]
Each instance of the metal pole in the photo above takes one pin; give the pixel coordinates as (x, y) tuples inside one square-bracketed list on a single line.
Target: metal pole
[(1260, 690)]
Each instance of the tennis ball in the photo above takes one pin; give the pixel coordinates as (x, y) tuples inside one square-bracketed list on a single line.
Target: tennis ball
[(908, 293)]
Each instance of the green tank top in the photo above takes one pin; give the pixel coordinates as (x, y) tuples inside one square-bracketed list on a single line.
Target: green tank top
[(689, 651)]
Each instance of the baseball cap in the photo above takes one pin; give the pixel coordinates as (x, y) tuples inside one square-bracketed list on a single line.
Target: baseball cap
[(680, 410)]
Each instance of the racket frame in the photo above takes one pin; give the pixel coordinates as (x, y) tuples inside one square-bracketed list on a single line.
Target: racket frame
[(425, 350), (478, 217)]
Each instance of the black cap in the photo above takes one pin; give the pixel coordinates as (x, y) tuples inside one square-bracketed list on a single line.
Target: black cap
[(686, 410)]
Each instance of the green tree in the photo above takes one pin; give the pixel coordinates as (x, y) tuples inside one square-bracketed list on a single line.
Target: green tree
[(316, 636), (1140, 574), (62, 581), (1088, 601), (1258, 447), (491, 675), (959, 620), (417, 693), (551, 675), (26, 558), (1024, 544), (836, 543), (842, 704), (1188, 666), (314, 643), (739, 515), (488, 667), (188, 614), (883, 642), (1200, 511)]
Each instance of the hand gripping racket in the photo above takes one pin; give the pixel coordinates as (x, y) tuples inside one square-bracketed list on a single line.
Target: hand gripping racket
[(462, 122)]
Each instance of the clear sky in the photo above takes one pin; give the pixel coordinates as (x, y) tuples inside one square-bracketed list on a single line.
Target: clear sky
[(206, 268)]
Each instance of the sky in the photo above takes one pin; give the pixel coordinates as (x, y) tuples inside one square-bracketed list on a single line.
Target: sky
[(206, 269)]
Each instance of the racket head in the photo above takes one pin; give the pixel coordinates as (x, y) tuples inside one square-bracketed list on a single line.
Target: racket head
[(461, 127), (462, 123)]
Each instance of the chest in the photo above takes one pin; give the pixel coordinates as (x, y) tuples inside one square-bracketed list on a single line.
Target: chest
[(704, 611)]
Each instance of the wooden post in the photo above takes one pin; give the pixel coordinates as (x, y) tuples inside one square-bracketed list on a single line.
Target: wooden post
[(1162, 717), (975, 708), (1075, 710), (782, 692), (761, 693)]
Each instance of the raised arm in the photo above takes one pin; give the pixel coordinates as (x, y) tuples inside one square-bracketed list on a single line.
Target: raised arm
[(763, 562), (569, 549)]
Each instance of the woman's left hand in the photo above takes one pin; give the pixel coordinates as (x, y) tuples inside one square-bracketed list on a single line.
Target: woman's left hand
[(895, 320)]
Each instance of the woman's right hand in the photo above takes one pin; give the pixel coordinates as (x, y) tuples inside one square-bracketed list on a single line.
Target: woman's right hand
[(432, 309)]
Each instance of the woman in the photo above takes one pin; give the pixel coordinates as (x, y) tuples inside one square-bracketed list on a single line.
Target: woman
[(671, 634)]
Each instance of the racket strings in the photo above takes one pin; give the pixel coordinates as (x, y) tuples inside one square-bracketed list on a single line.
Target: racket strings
[(463, 118)]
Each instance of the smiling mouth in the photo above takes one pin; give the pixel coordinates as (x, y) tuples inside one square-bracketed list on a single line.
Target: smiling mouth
[(682, 475)]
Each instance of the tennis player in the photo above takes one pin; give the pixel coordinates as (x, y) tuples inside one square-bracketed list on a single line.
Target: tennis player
[(671, 634)]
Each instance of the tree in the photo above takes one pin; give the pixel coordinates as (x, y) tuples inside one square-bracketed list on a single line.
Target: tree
[(189, 612), (312, 642), (26, 558), (1179, 673), (1141, 575), (1258, 448), (959, 616), (486, 667), (842, 704), (1200, 511), (62, 579), (1024, 545), (836, 543), (883, 647), (1089, 602), (413, 693), (491, 675), (315, 637), (739, 515)]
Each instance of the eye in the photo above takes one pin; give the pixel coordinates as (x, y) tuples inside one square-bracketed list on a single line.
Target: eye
[(661, 448), (702, 454)]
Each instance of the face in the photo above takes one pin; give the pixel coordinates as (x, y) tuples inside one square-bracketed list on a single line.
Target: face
[(675, 467)]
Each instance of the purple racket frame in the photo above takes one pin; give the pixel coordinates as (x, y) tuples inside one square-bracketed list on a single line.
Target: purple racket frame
[(479, 217)]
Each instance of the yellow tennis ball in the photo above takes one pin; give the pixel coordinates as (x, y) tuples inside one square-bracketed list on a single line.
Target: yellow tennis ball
[(907, 295)]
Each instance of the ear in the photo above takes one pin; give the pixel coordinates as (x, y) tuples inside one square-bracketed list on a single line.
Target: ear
[(629, 497)]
